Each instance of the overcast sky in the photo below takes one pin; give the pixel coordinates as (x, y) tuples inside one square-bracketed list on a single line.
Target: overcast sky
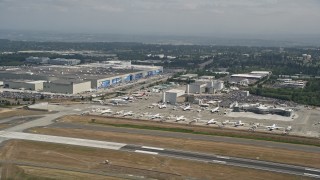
[(185, 17)]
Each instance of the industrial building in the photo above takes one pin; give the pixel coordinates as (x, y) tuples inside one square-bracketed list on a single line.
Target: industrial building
[(24, 84), (253, 75), (62, 61), (100, 75), (57, 61), (205, 86), (67, 87), (171, 96), (189, 76), (289, 83), (261, 109)]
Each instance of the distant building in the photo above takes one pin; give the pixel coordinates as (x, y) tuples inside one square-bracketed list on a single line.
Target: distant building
[(261, 109), (62, 61), (289, 83), (189, 76), (37, 60)]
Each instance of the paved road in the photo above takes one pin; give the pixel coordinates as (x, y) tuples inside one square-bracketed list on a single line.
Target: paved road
[(268, 144), (43, 121), (208, 158), (20, 118)]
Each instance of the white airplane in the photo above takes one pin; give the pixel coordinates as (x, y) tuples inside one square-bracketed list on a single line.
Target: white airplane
[(289, 128), (180, 118), (127, 98), (204, 105), (119, 112), (238, 123), (162, 106), (107, 111), (156, 116), (274, 127), (96, 100), (215, 110), (139, 95), (119, 101), (187, 108), (212, 121), (129, 113), (195, 120)]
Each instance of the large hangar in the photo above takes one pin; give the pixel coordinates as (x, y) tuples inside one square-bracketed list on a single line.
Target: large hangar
[(24, 84), (100, 75), (171, 96), (67, 87)]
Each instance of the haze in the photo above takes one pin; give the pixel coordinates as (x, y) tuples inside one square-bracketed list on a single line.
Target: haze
[(164, 17)]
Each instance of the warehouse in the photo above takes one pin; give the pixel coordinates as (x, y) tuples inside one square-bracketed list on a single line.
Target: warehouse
[(66, 86), (24, 84)]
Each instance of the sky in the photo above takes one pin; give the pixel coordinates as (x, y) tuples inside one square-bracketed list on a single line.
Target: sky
[(163, 17)]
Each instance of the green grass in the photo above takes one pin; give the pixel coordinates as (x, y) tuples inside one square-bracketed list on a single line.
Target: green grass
[(279, 138)]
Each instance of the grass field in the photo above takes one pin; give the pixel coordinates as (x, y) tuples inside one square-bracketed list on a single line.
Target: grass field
[(174, 127), (122, 163), (227, 149)]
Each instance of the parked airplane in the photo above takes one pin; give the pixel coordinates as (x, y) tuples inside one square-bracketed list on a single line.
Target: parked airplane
[(127, 98), (119, 101), (129, 113), (108, 111), (180, 118), (187, 108), (215, 110), (204, 105), (139, 95), (274, 127), (212, 121), (96, 100), (156, 116), (162, 106), (238, 123)]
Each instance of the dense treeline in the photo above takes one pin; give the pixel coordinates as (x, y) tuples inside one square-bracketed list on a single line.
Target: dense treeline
[(309, 95), (236, 59)]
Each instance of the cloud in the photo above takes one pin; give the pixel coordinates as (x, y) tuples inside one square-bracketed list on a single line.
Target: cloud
[(163, 16)]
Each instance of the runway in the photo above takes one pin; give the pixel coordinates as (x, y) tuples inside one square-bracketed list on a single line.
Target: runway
[(268, 144), (226, 160), (207, 158)]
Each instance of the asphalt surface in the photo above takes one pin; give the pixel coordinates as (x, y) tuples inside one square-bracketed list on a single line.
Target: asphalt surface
[(268, 144), (225, 160), (207, 158), (16, 132)]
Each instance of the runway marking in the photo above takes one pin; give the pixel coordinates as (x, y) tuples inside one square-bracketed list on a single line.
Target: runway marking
[(223, 157), (311, 175), (146, 152), (155, 148), (311, 169), (219, 162), (62, 140)]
